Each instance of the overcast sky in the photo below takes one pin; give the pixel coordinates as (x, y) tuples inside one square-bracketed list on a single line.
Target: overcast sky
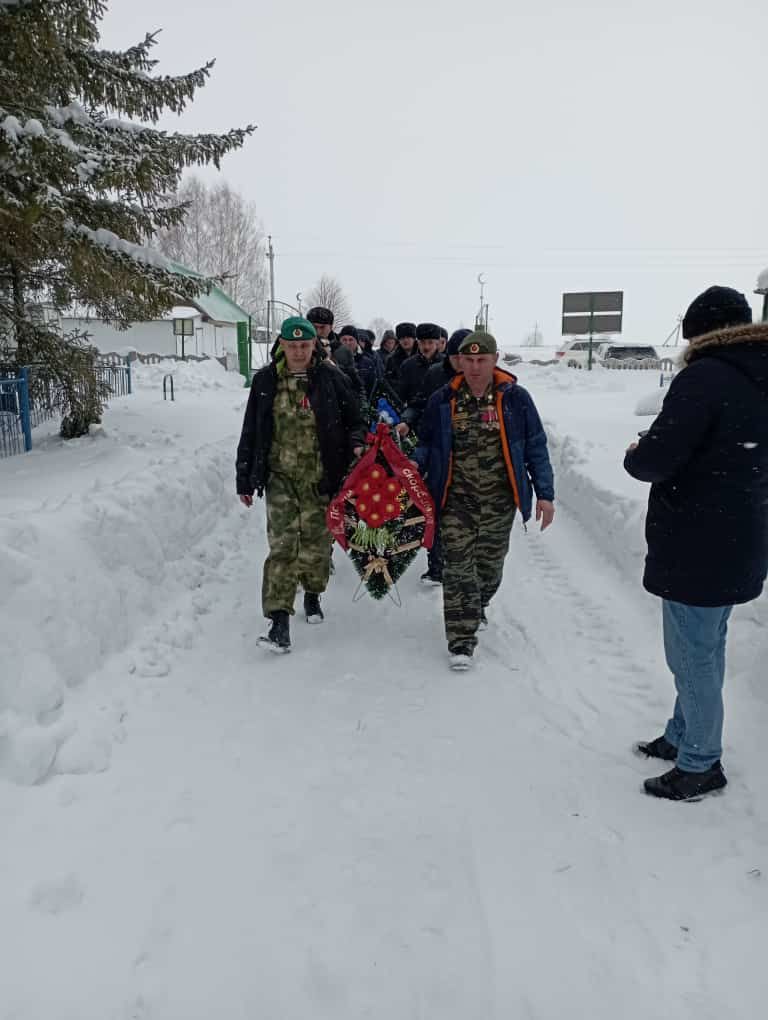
[(407, 146)]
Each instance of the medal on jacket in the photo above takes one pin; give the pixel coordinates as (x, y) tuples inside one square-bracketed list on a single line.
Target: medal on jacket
[(489, 419), (304, 405)]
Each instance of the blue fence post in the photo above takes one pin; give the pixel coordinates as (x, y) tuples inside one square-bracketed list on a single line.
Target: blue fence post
[(128, 366), (26, 422)]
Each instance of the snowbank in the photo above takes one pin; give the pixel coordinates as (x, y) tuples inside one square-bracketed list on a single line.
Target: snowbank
[(650, 404), (192, 377), (589, 421), (95, 534)]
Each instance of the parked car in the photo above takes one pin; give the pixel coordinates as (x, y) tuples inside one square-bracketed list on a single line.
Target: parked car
[(575, 353), (623, 352)]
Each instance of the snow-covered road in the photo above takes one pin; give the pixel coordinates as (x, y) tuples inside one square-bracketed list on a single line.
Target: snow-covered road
[(351, 831)]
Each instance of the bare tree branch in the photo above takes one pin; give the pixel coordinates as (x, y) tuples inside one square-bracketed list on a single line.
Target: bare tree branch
[(328, 293), (221, 236)]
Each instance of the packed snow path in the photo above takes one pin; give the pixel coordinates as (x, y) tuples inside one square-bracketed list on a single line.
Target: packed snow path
[(353, 831)]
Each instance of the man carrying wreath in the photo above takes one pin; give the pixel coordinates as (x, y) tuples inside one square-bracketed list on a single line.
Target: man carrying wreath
[(483, 452)]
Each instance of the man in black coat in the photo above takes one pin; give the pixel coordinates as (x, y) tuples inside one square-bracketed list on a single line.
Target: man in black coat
[(302, 428), (706, 456), (365, 364), (322, 319), (440, 372), (387, 345), (414, 370), (405, 332)]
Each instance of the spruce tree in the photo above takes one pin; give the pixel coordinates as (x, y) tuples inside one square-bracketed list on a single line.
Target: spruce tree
[(87, 180)]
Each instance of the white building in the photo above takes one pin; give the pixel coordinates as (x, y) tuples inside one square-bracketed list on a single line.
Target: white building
[(207, 327)]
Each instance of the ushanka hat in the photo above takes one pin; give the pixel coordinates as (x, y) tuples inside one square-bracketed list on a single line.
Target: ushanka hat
[(349, 331), (404, 329), (479, 343), (297, 328), (320, 316), (427, 331)]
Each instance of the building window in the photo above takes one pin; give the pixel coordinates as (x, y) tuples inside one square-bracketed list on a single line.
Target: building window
[(183, 327)]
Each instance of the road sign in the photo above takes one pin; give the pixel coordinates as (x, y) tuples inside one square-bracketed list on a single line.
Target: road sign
[(591, 312), (583, 325)]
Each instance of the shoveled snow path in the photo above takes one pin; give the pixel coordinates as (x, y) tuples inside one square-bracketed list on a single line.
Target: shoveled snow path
[(352, 831)]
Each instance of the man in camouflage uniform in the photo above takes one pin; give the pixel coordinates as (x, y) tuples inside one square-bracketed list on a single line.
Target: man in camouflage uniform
[(483, 451), (302, 427)]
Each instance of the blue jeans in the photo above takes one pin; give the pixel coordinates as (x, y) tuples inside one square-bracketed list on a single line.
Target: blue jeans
[(694, 642)]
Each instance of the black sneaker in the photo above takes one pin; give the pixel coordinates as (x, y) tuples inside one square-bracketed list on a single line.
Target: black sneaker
[(658, 748), (312, 610), (460, 657), (680, 785), (431, 579), (279, 638)]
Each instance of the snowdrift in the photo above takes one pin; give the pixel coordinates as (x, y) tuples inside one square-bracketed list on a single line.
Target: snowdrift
[(85, 566)]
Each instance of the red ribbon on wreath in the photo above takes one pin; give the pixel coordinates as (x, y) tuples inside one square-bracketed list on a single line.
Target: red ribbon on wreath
[(362, 485)]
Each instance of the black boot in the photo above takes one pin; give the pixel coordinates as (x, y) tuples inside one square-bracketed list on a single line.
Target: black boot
[(460, 657), (680, 785), (312, 610), (279, 638), (658, 748)]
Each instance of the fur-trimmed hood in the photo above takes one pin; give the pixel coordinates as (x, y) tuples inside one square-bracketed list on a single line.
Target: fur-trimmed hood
[(754, 333)]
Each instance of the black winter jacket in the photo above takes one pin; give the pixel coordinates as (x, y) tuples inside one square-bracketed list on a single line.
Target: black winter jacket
[(412, 375), (344, 359), (438, 375), (340, 427), (395, 362), (706, 456), (368, 370)]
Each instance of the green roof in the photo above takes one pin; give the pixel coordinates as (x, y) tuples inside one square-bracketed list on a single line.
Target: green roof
[(215, 304)]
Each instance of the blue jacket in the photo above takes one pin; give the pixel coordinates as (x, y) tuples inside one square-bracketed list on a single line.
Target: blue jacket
[(522, 438)]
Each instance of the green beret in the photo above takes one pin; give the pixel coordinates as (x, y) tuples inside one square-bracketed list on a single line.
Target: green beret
[(297, 328), (479, 343)]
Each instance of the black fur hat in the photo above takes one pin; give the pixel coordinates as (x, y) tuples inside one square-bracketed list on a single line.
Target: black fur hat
[(427, 331), (404, 329)]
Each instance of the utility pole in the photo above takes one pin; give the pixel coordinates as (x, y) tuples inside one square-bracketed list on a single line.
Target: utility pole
[(271, 303)]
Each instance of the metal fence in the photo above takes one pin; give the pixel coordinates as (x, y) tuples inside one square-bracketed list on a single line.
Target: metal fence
[(116, 377), (27, 399), (15, 418)]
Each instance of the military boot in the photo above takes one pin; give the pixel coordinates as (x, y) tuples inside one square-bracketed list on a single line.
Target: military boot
[(312, 610), (460, 657), (278, 640)]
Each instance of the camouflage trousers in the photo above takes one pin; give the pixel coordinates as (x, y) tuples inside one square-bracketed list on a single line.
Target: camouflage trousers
[(475, 543), (299, 546)]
